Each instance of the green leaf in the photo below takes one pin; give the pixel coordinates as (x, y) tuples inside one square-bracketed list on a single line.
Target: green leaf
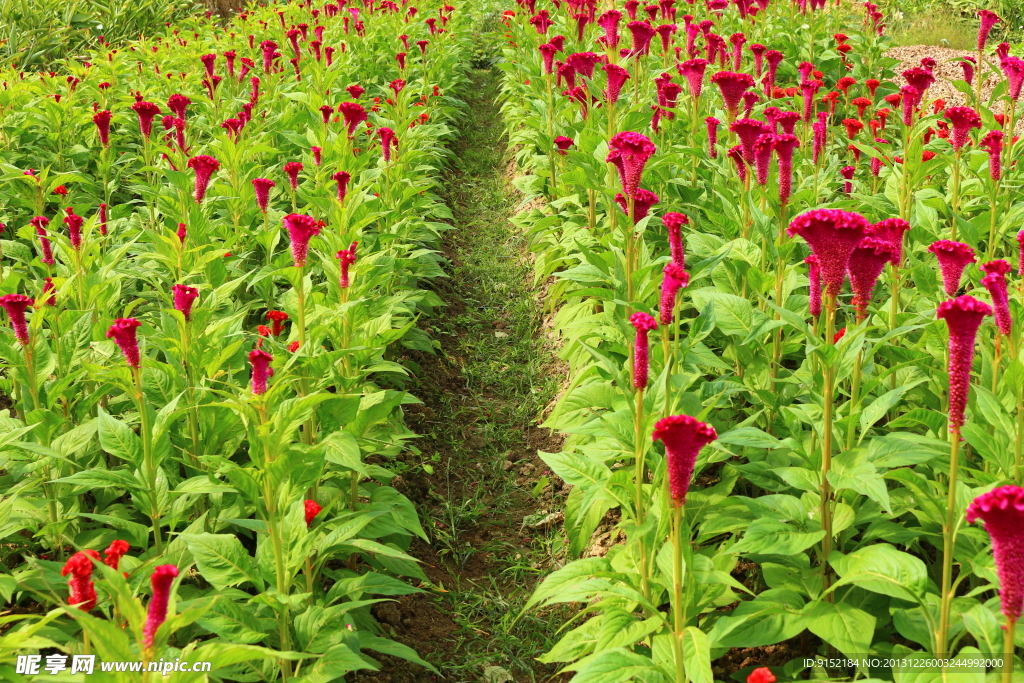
[(118, 439), (567, 578), (222, 560), (611, 666), (846, 628), (771, 537), (881, 568), (750, 436), (697, 656)]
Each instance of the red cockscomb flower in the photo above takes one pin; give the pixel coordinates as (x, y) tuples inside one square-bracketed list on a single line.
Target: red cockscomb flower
[(629, 152), (184, 296), (683, 437), (204, 166), (1002, 511), (347, 257), (953, 258), (675, 278), (79, 566), (995, 282), (261, 370), (16, 305), (832, 234), (312, 510), (643, 323), (301, 229), (123, 332), (963, 316), (866, 263), (262, 187), (163, 577)]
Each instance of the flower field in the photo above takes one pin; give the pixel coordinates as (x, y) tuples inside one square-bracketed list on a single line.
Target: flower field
[(784, 279)]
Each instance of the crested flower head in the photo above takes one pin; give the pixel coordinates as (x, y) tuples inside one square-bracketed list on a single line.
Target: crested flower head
[(40, 223), (147, 111), (995, 282), (261, 370), (963, 120), (675, 279), (277, 319), (629, 152), (347, 257), (673, 223), (891, 230), (563, 144), (114, 552), (184, 297), (74, 223), (387, 139), (866, 263), (342, 178), (262, 187), (312, 510), (617, 77), (785, 146), (832, 234), (163, 577), (1013, 69), (102, 121), (123, 334), (748, 131), (643, 323), (15, 305), (693, 71), (354, 114), (761, 675), (292, 169), (80, 566), (732, 85), (814, 282), (953, 258), (988, 20), (204, 166), (683, 437), (301, 229), (609, 22), (963, 316), (712, 124), (993, 144), (643, 200), (1002, 511), (178, 104)]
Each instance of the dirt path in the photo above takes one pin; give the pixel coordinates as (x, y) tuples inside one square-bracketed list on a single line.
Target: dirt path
[(483, 394)]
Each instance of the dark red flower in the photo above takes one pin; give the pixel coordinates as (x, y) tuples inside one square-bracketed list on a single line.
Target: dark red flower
[(683, 437)]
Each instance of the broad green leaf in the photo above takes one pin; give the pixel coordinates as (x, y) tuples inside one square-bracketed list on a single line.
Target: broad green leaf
[(222, 560)]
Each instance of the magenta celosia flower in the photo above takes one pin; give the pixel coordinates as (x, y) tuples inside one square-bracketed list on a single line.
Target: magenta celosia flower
[(642, 33), (666, 31), (866, 263), (787, 121), (785, 146), (563, 144), (643, 200), (204, 166), (102, 121), (732, 86), (387, 139), (74, 223), (629, 152), (748, 131), (963, 315), (40, 223), (354, 114), (261, 370), (1002, 510), (178, 103), (968, 64), (316, 154), (82, 591), (312, 510), (617, 77), (832, 234), (675, 278), (184, 297), (547, 53), (820, 130), (712, 124), (814, 280), (736, 154), (292, 169), (15, 305), (993, 143), (123, 334), (809, 89), (147, 111), (1013, 69), (114, 552), (774, 59), (763, 148), (953, 258), (988, 20), (609, 22), (995, 282), (208, 61), (693, 71), (920, 79), (848, 172), (583, 63), (301, 229), (163, 577), (891, 230), (683, 437), (963, 120), (182, 233), (643, 323), (51, 289), (342, 178), (673, 223), (262, 187), (103, 220), (347, 257)]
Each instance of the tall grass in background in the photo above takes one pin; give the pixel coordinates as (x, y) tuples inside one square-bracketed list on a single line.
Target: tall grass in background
[(950, 23)]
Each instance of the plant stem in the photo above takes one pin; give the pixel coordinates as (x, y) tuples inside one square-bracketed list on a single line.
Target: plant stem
[(948, 543), (678, 621), (638, 457), (147, 458), (826, 444)]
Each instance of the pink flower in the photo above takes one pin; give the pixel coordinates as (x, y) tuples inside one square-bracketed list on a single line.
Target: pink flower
[(763, 147), (683, 437), (354, 114), (832, 234), (48, 287), (732, 86), (953, 258), (74, 223), (693, 71), (736, 154), (761, 675), (993, 142), (103, 219), (40, 223), (673, 223), (988, 20), (629, 152), (312, 510), (355, 91), (809, 90), (642, 33), (963, 315), (712, 124), (182, 233), (316, 154), (147, 111), (80, 566), (617, 77), (123, 334), (342, 178), (1002, 510), (114, 552), (261, 370), (102, 121), (643, 200), (891, 230), (675, 279), (848, 172), (178, 104), (563, 144), (995, 282), (301, 229), (262, 187), (814, 280), (785, 146), (15, 305), (968, 65), (163, 577), (184, 297), (1013, 69), (920, 79), (347, 257), (609, 22), (208, 61), (1020, 253), (787, 121), (774, 59), (748, 131), (204, 166), (387, 138), (963, 119), (547, 54), (292, 169), (643, 323), (866, 263)]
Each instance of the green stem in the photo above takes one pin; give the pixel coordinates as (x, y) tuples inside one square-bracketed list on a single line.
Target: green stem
[(147, 459), (638, 457), (678, 620), (851, 432), (948, 544), (828, 398)]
